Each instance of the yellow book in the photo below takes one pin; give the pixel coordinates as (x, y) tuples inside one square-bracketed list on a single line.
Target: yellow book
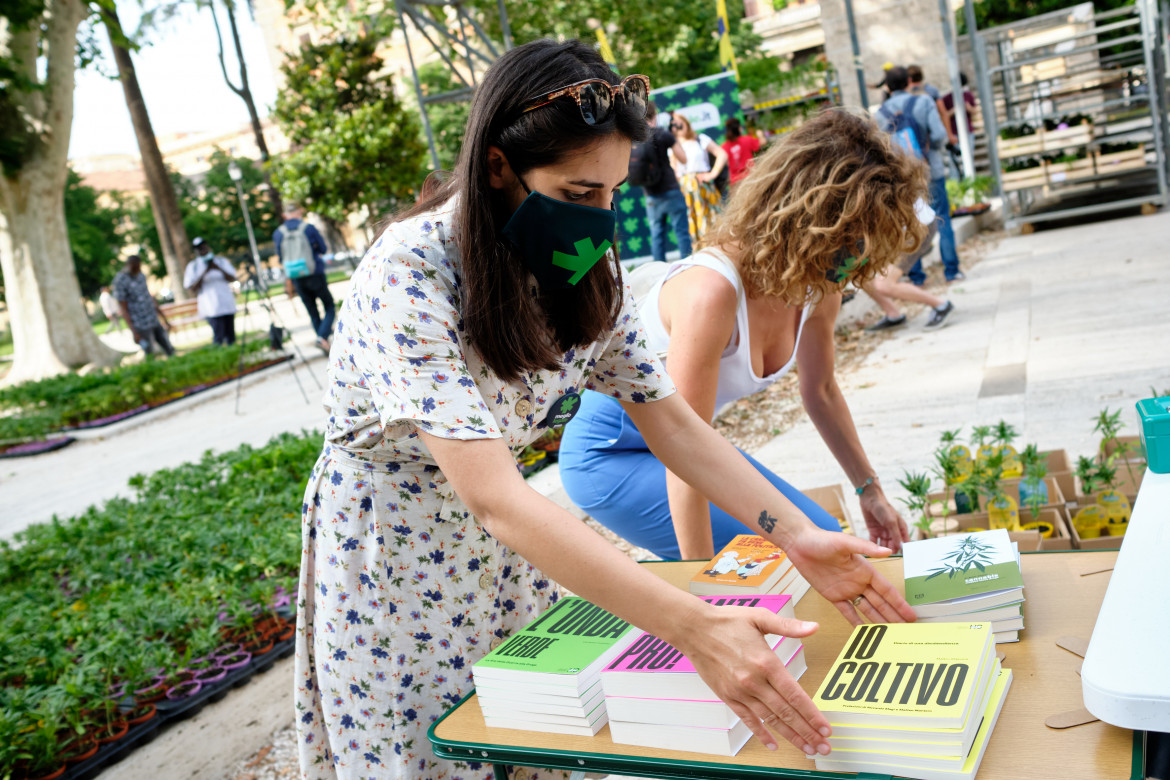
[(921, 767), (908, 675)]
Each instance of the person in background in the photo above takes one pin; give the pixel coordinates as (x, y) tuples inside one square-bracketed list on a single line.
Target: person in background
[(470, 325), (933, 136), (918, 85), (110, 308), (210, 277), (759, 299), (884, 287), (299, 246), (140, 310), (740, 149), (881, 85), (665, 201), (947, 110), (696, 176)]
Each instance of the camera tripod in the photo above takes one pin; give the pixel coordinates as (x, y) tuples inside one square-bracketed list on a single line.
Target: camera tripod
[(254, 284)]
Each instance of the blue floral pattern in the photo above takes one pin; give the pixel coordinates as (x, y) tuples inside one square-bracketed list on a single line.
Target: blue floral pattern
[(401, 590)]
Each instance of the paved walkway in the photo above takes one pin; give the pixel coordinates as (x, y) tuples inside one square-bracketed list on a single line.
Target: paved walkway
[(97, 467), (1049, 329)]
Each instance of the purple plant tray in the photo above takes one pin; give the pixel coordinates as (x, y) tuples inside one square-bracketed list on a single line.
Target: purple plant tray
[(37, 447)]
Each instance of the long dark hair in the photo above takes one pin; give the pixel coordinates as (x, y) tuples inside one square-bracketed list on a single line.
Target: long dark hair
[(513, 327)]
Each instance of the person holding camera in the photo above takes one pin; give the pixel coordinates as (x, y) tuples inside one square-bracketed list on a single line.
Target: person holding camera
[(210, 277)]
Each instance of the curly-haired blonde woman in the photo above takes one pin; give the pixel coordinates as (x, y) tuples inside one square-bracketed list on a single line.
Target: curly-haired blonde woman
[(759, 298)]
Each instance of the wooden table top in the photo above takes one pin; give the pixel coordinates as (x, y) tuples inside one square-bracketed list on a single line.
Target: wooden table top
[(1062, 598)]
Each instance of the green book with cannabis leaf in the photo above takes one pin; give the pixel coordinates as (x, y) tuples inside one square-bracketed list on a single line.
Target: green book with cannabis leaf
[(963, 573)]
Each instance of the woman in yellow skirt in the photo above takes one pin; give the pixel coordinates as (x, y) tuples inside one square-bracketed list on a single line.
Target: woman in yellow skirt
[(697, 176)]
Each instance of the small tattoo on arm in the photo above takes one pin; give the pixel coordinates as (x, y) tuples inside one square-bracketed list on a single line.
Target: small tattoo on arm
[(767, 522)]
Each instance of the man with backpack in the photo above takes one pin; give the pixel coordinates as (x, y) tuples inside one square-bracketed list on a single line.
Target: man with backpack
[(650, 169), (299, 246), (916, 126)]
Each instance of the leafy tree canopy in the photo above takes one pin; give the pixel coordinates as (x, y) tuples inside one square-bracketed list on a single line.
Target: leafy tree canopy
[(992, 13), (353, 142), (211, 210), (448, 120), (93, 235)]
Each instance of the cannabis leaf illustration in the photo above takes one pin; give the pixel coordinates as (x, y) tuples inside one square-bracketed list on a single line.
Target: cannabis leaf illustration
[(969, 552)]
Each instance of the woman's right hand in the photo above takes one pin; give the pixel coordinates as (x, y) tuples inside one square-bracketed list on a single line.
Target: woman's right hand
[(727, 647)]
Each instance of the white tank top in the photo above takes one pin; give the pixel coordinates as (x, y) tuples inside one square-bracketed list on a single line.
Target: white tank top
[(736, 378)]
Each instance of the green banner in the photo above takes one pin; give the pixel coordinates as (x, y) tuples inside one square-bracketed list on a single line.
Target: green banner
[(706, 102)]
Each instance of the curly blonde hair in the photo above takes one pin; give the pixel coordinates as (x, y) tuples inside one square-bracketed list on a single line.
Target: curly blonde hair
[(834, 187)]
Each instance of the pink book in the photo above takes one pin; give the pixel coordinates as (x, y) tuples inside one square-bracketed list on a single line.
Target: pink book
[(651, 669)]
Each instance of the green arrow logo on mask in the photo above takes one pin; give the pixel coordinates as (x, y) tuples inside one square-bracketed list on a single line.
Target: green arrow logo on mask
[(581, 262)]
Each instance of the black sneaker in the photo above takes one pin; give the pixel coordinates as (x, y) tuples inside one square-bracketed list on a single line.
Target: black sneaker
[(958, 277), (885, 323), (939, 316)]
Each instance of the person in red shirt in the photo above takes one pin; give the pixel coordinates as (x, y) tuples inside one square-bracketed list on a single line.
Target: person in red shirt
[(739, 148)]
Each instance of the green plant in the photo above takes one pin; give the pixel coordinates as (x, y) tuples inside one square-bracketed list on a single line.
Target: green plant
[(1034, 474), (918, 486), (1108, 425), (980, 434), (1004, 433)]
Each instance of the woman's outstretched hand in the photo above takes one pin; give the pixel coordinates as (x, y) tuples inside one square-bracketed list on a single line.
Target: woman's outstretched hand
[(886, 527), (727, 647), (835, 566)]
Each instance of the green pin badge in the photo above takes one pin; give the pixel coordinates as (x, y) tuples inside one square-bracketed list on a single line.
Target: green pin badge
[(563, 409)]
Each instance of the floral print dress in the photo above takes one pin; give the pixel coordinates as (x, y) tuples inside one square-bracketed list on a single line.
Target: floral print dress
[(401, 590)]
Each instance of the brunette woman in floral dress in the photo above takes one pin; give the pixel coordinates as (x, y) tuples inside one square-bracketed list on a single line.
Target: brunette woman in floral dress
[(468, 321)]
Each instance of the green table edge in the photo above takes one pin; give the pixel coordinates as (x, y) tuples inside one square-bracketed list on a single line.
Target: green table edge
[(638, 766)]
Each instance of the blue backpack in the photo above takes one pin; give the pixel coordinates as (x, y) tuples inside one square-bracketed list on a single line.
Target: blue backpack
[(906, 131)]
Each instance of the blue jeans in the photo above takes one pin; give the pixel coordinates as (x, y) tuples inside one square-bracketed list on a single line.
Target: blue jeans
[(659, 208), (314, 288), (946, 234), (608, 471)]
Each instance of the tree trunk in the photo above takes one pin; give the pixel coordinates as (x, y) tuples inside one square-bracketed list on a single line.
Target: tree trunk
[(245, 93), (171, 232), (50, 330)]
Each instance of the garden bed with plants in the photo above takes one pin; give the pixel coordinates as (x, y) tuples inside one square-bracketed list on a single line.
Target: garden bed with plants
[(30, 413), (126, 617), (1038, 497)]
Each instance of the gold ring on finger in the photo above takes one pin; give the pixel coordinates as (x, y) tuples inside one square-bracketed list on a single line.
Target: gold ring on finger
[(857, 601)]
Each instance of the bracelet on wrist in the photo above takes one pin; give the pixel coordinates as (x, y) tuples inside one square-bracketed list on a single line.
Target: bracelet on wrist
[(868, 481)]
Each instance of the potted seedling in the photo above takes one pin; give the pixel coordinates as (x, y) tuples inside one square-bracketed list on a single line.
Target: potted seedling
[(918, 487), (980, 434), (1033, 489), (1003, 435), (1002, 509), (1113, 447)]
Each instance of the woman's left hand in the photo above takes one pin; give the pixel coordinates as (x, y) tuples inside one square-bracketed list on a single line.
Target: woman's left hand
[(885, 525), (835, 566)]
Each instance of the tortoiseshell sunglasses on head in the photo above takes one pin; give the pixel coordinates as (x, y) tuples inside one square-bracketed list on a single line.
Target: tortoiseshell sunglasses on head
[(595, 97)]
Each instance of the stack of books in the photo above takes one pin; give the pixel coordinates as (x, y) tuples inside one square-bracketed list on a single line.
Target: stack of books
[(969, 578), (917, 700), (655, 698), (547, 677), (749, 564)]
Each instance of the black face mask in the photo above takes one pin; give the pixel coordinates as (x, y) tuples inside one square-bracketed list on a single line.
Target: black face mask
[(560, 241)]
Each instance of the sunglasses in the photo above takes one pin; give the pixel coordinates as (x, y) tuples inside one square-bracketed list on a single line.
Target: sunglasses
[(595, 97)]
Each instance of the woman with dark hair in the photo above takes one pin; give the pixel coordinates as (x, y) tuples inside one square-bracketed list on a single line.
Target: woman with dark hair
[(739, 148), (470, 327), (758, 299)]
